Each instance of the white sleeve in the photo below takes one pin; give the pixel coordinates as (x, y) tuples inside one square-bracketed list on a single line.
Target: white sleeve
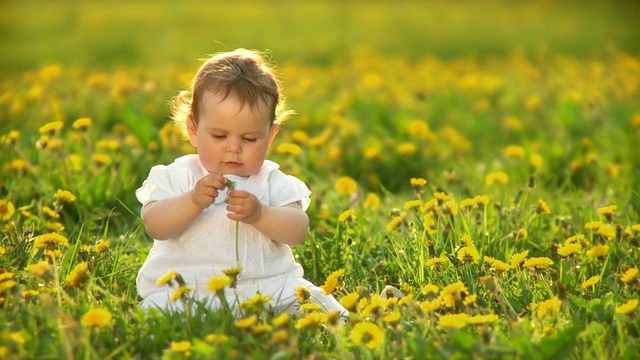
[(286, 189), (164, 182)]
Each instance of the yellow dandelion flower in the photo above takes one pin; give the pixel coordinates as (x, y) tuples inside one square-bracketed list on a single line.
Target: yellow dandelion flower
[(218, 283), (536, 161), (412, 204), (372, 202), (216, 338), (407, 148), (40, 269), (260, 329), (394, 224), (436, 261), (311, 319), (300, 136), (367, 334), (102, 245), (628, 307), (543, 207), (280, 337), (52, 239), (607, 210), (590, 282), (450, 208), (497, 177), (101, 159), (64, 196), (548, 307), (96, 317), (310, 307), (281, 320), (52, 127), (421, 129), (598, 251), (418, 182), (347, 215), (350, 301), (82, 123), (6, 276), (629, 275), (471, 299), (455, 321), (431, 306), (167, 278), (468, 203), (332, 281), (538, 262), (7, 209), (50, 212), (483, 319), (303, 294), (607, 231), (569, 249), (593, 225), (513, 152), (500, 266), (180, 346), (17, 165), (345, 185), (289, 148), (577, 239), (392, 318), (429, 289), (522, 234), (372, 153), (468, 254), (517, 259), (79, 276), (180, 293)]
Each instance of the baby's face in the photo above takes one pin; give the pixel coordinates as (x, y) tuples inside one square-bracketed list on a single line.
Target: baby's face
[(231, 138)]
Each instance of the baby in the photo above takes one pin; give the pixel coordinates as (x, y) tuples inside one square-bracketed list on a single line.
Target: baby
[(199, 225)]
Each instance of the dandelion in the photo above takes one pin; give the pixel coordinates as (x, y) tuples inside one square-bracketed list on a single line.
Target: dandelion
[(452, 293), (598, 251), (303, 294), (217, 283), (538, 262), (543, 208), (101, 159), (436, 261), (577, 239), (421, 129), (82, 123), (606, 231), (394, 224), (289, 148), (50, 212), (500, 266), (167, 278), (216, 338), (350, 301), (429, 289), (40, 269), (309, 307), (548, 307), (455, 321), (569, 249), (347, 215), (96, 317), (607, 211), (79, 276), (181, 347), (536, 161), (180, 293), (431, 306), (345, 185), (331, 283), (300, 136), (590, 282), (233, 273), (102, 245), (594, 225), (17, 165), (261, 329), (513, 152), (418, 182), (412, 204), (367, 334), (281, 320), (407, 148), (372, 201), (64, 196), (517, 259), (498, 177), (50, 239), (311, 319), (468, 254), (469, 300), (280, 337), (628, 307), (629, 275), (522, 234), (483, 319), (392, 318), (7, 209), (51, 127)]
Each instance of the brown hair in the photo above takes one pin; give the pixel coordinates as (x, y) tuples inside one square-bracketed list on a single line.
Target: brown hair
[(243, 72)]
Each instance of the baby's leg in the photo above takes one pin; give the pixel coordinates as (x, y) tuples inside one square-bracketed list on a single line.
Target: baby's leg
[(328, 302)]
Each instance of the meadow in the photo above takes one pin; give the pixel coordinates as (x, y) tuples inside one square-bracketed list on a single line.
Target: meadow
[(493, 179)]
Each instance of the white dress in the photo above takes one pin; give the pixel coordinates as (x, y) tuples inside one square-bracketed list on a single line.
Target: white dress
[(208, 245)]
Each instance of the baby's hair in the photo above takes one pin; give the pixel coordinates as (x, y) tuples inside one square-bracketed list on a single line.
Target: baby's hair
[(245, 73)]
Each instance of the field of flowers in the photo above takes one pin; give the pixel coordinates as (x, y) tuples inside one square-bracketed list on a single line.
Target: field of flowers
[(500, 195)]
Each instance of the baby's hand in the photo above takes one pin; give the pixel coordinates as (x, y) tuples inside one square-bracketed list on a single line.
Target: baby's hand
[(243, 206), (206, 190)]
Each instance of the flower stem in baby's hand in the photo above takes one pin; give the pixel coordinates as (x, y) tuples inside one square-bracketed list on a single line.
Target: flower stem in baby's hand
[(231, 186)]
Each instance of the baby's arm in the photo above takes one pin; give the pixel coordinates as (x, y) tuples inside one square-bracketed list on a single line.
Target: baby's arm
[(165, 218), (288, 224)]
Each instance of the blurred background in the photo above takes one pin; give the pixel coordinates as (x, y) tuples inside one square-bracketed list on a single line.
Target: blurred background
[(147, 33)]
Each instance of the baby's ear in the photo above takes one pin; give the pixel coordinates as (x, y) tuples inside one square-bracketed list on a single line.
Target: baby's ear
[(273, 132), (192, 130)]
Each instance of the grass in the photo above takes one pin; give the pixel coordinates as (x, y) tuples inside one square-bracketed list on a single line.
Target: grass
[(521, 242)]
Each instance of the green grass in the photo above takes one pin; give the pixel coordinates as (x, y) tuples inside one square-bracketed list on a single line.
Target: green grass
[(418, 98)]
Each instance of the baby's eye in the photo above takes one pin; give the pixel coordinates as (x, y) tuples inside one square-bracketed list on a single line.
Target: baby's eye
[(250, 139), (215, 136)]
